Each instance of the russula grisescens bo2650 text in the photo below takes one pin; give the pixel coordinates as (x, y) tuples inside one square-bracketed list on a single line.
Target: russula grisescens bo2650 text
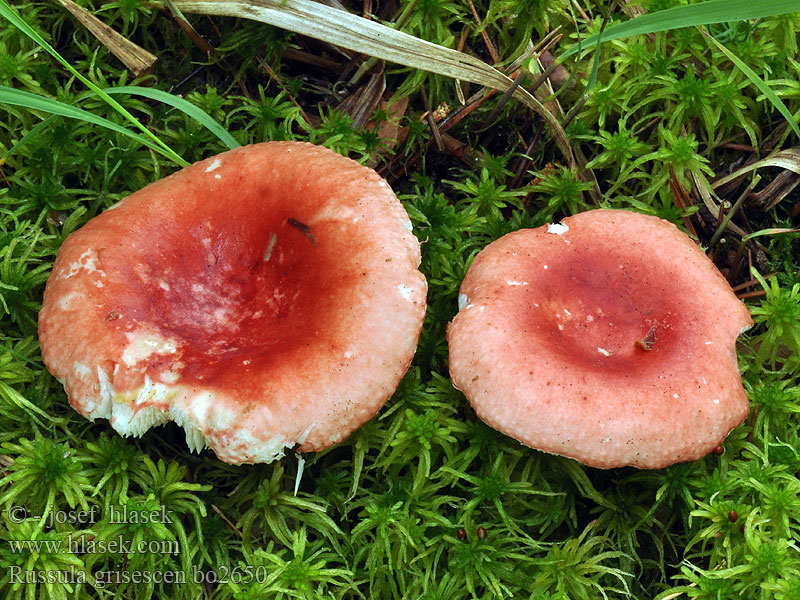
[(263, 299), (608, 338)]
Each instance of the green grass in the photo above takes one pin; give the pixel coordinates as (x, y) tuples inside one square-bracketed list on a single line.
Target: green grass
[(424, 501)]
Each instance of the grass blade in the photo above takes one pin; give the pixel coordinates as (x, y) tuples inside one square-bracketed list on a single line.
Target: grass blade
[(179, 103), (195, 112), (706, 13), (353, 32), (788, 159), (11, 15), (54, 107)]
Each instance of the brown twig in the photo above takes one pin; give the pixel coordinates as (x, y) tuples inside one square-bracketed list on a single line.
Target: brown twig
[(526, 160), (227, 520), (754, 294), (437, 136), (580, 10), (274, 76), (487, 42), (520, 75), (752, 282), (682, 199)]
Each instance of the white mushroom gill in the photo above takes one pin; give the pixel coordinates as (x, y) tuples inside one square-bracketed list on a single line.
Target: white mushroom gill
[(194, 437)]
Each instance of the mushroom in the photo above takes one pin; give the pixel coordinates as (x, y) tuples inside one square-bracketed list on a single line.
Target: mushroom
[(608, 338), (263, 299)]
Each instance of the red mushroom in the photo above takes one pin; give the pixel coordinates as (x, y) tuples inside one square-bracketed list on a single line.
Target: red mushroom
[(608, 338), (263, 299)]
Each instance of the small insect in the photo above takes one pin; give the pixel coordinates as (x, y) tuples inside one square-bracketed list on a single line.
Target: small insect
[(461, 534), (302, 228), (646, 343), (482, 533), (719, 450), (733, 517)]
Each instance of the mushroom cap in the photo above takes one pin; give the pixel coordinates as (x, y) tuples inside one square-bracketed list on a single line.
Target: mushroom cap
[(263, 298), (551, 341)]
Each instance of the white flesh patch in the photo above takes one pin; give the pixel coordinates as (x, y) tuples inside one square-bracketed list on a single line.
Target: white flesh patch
[(216, 164), (406, 292), (141, 345), (512, 282), (259, 450), (557, 228), (200, 409), (462, 301), (88, 260), (81, 369), (408, 225), (64, 303), (331, 212), (603, 351), (169, 376), (106, 396), (301, 439), (272, 241), (222, 315)]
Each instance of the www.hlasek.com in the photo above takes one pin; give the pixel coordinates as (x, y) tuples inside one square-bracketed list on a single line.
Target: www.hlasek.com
[(81, 543)]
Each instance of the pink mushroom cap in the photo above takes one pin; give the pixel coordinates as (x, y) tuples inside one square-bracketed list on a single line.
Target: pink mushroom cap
[(263, 299), (608, 338)]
